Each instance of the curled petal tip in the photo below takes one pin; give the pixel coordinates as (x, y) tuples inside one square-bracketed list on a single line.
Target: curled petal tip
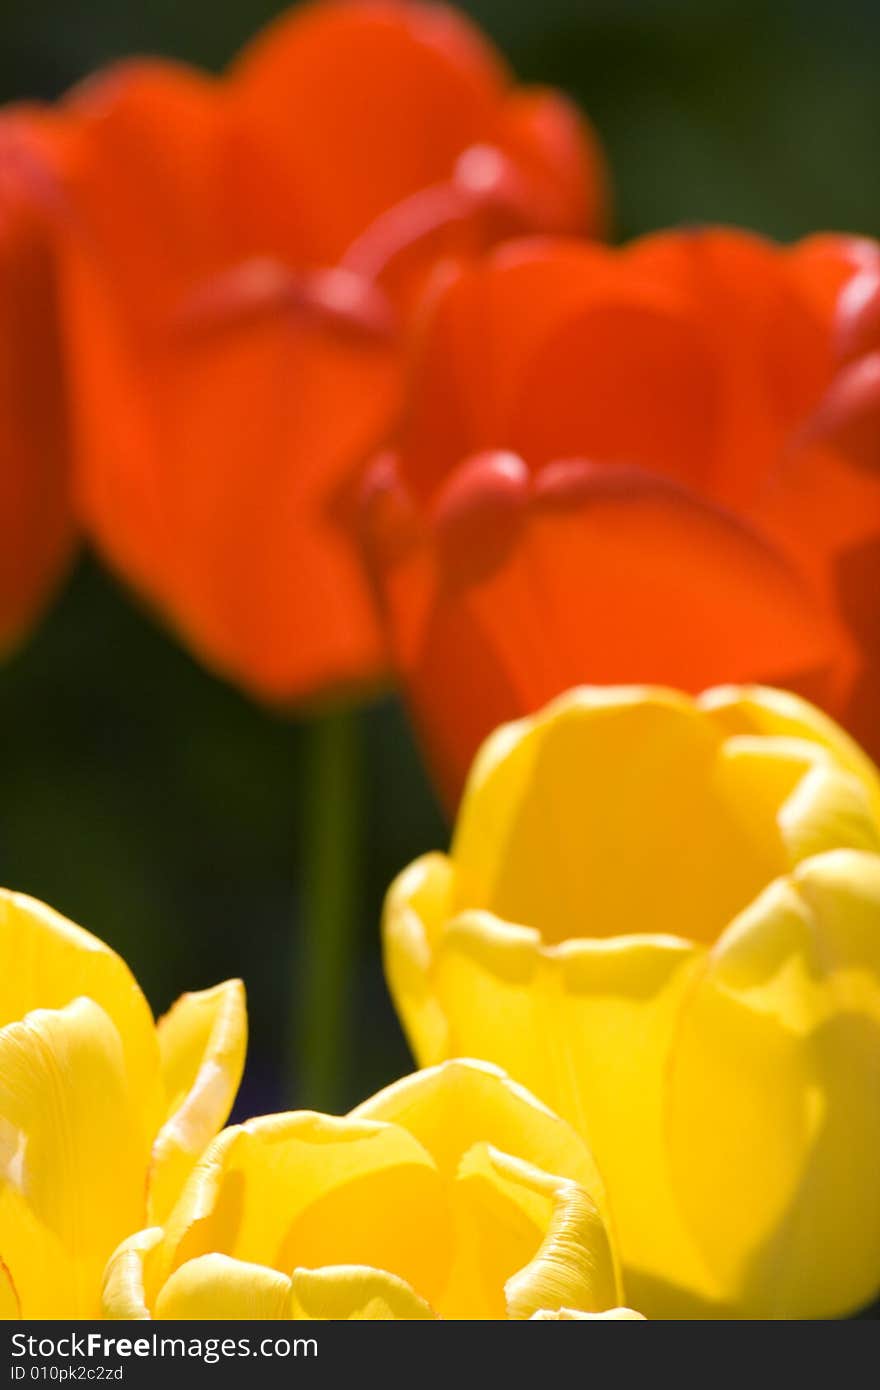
[(489, 179), (848, 417), (27, 175), (857, 329), (388, 518), (478, 512)]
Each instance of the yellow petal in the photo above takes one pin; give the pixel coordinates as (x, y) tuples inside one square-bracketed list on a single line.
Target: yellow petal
[(774, 1097), (48, 962), (202, 1043), (218, 1289), (652, 847), (829, 809), (355, 1292), (73, 1155), (573, 1267), (459, 1103), (757, 709), (125, 1278), (525, 1240), (310, 1190), (416, 908), (794, 799), (588, 1028)]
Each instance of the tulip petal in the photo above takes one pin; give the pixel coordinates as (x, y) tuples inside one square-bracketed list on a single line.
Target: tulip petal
[(550, 138), (305, 1189), (773, 1114), (659, 850), (755, 709), (395, 91), (126, 1278), (166, 480), (36, 511), (202, 1045), (74, 1156), (217, 1289), (155, 211), (588, 1027), (574, 1266), (829, 809), (49, 962), (413, 914), (452, 1106), (793, 799), (595, 560), (355, 1292)]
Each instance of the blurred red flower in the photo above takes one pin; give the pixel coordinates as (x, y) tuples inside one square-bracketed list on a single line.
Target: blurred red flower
[(659, 464), (37, 532), (240, 260)]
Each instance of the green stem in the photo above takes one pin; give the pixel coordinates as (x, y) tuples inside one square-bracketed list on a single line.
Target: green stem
[(330, 875)]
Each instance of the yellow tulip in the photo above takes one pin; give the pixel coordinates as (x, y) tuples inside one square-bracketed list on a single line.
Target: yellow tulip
[(662, 915), (453, 1193), (103, 1113)]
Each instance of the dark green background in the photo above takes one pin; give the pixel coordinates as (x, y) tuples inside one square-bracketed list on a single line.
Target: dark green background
[(160, 808)]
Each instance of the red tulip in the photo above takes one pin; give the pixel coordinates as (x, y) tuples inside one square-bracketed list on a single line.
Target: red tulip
[(239, 276), (37, 533), (644, 465)]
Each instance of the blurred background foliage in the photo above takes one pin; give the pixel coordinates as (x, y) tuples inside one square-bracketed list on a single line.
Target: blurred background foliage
[(162, 809)]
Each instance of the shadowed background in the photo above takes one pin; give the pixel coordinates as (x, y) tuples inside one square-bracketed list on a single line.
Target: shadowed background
[(163, 810)]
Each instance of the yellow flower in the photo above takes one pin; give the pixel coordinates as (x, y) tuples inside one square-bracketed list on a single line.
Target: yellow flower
[(662, 915), (102, 1113), (453, 1193)]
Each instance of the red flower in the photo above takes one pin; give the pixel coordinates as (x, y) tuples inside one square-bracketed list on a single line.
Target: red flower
[(37, 533), (239, 265), (658, 464)]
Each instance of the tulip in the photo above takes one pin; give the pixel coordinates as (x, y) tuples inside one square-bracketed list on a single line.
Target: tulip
[(103, 1114), (452, 1194), (237, 297), (662, 915), (633, 465), (36, 515)]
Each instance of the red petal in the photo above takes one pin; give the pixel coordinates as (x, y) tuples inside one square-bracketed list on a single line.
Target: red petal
[(36, 520), (363, 104), (615, 576)]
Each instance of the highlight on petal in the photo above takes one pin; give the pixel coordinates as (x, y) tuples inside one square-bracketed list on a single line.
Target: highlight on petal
[(574, 1266), (125, 1291), (217, 1289), (414, 913), (773, 1116), (202, 1043), (828, 810), (73, 1156), (355, 1292)]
